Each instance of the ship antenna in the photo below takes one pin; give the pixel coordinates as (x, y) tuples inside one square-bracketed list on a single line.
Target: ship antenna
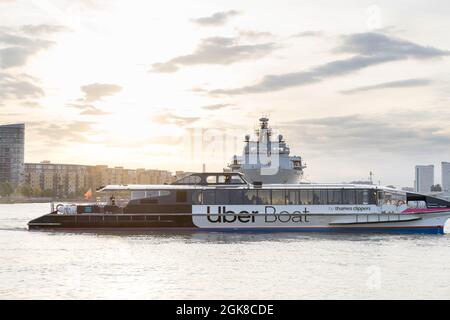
[(264, 121)]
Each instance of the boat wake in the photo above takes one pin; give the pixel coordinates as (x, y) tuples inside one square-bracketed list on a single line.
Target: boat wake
[(13, 228)]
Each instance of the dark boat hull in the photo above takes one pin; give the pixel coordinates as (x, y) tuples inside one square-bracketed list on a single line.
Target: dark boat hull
[(111, 221), (184, 222)]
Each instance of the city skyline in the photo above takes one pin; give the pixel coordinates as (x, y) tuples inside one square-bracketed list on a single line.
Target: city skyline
[(63, 180), (443, 179), (354, 87), (438, 179)]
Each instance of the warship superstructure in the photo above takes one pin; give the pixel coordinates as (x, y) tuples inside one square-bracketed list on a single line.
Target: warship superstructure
[(267, 160)]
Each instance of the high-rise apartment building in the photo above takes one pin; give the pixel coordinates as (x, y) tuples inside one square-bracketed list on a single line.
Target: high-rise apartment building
[(12, 145), (57, 179), (73, 180), (424, 178), (445, 176)]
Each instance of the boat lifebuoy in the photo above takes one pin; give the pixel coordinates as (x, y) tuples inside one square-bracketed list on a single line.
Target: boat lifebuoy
[(58, 206)]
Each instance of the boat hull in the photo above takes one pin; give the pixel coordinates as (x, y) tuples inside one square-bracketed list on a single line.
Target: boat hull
[(384, 223)]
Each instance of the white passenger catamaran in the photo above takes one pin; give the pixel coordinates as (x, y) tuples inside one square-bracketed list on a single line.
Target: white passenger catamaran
[(228, 202)]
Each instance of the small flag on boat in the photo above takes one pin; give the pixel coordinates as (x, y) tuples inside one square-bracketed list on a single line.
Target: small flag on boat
[(88, 194)]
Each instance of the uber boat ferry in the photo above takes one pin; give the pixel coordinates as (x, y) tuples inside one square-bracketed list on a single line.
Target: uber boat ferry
[(228, 202)]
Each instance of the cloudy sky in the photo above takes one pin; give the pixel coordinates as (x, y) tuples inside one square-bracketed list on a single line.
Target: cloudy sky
[(354, 86)]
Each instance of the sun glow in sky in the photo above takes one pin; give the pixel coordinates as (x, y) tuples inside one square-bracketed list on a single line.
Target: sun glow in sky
[(354, 86)]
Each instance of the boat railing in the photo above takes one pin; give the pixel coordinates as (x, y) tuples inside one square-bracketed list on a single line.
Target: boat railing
[(71, 207)]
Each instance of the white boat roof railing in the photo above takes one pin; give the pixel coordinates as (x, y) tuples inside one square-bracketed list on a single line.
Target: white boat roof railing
[(143, 187)]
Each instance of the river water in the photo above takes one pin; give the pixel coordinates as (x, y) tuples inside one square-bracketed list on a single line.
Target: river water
[(56, 265)]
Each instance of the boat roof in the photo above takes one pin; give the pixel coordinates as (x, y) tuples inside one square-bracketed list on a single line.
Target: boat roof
[(197, 178), (202, 184), (149, 187)]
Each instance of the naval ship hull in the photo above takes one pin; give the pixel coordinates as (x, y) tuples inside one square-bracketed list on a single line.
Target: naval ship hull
[(424, 223)]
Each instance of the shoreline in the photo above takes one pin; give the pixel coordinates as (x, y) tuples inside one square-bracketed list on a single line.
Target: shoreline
[(36, 200)]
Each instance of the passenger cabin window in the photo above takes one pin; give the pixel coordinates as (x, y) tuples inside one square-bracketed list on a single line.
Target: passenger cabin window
[(394, 197), (156, 193), (250, 197), (380, 196), (306, 197), (222, 196), (236, 179), (316, 196), (323, 196), (373, 196), (362, 197), (334, 197), (211, 179), (209, 197), (190, 180), (225, 179), (349, 196), (264, 197), (154, 196), (236, 196), (292, 196), (320, 197), (278, 197), (197, 197), (417, 204), (137, 195)]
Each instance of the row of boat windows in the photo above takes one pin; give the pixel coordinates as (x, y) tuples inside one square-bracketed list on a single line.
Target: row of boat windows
[(277, 197), (283, 197)]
